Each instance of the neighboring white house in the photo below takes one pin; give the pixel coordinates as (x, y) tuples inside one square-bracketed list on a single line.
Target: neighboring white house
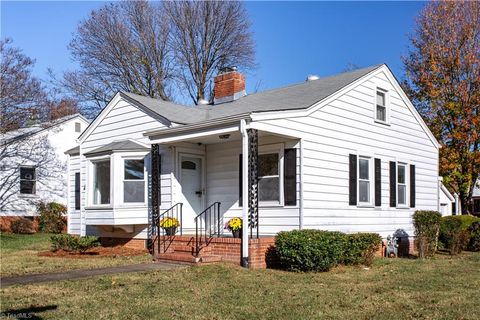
[(347, 152), (447, 201), (476, 199), (33, 165)]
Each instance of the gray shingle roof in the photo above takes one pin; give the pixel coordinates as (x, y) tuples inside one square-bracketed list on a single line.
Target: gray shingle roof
[(74, 151), (123, 145), (26, 132), (298, 96)]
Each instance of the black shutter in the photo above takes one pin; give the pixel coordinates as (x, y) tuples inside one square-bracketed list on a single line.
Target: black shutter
[(77, 190), (240, 198), (352, 182), (393, 184), (412, 186), (290, 177), (378, 183)]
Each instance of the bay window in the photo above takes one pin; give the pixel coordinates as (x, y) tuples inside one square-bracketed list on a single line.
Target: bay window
[(101, 182), (134, 181)]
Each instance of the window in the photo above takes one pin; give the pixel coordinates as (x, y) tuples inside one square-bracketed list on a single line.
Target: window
[(189, 165), (476, 205), (101, 182), (364, 177), (134, 181), (381, 106), (268, 177), (78, 127), (28, 180), (402, 184), (77, 190)]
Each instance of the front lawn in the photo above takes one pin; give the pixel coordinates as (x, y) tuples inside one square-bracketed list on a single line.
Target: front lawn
[(443, 288), (19, 255)]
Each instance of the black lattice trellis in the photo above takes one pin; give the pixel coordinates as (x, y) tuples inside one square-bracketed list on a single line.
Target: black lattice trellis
[(154, 190), (253, 180)]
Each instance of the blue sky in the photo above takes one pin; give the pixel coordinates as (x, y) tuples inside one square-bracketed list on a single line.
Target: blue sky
[(293, 39)]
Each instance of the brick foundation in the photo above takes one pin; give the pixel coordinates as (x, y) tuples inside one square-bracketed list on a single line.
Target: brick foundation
[(6, 222), (228, 249), (139, 244)]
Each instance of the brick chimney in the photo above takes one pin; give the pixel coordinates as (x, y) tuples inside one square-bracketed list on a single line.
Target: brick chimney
[(229, 86)]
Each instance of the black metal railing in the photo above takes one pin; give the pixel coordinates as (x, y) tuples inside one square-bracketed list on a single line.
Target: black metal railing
[(175, 212), (207, 225)]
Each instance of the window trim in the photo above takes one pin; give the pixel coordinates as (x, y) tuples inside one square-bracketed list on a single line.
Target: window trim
[(407, 184), (79, 124), (371, 180), (34, 180), (91, 180), (387, 106), (145, 181), (270, 149)]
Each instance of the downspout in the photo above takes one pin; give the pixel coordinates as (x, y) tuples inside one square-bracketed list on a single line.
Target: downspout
[(301, 186), (243, 131)]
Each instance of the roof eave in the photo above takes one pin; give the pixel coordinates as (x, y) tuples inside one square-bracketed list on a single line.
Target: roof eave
[(198, 125)]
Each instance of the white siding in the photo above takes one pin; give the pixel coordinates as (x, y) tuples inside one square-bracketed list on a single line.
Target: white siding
[(222, 186), (73, 214), (122, 122), (344, 126)]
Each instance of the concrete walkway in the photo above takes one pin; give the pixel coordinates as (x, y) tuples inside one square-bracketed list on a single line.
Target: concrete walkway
[(84, 273)]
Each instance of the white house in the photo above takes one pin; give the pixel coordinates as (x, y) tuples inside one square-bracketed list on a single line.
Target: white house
[(34, 166), (347, 152), (476, 198), (447, 200)]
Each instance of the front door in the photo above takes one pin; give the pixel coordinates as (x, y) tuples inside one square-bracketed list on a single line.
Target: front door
[(191, 180)]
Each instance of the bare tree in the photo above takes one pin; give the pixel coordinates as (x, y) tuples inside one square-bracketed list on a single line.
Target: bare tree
[(206, 36), (21, 94), (122, 46)]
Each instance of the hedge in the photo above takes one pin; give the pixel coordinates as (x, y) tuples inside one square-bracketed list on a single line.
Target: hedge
[(455, 232), (427, 225), (474, 243), (51, 218), (317, 250)]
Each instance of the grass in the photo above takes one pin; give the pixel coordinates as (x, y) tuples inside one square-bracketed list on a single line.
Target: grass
[(442, 288), (19, 256)]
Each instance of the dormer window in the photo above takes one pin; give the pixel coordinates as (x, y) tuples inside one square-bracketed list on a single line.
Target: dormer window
[(381, 106)]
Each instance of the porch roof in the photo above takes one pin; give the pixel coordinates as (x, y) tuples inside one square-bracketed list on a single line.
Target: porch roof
[(122, 145), (216, 132)]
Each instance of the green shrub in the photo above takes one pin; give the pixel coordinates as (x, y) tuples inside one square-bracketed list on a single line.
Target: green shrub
[(427, 225), (71, 243), (51, 218), (474, 243), (310, 250), (22, 226), (454, 232), (360, 248), (316, 250)]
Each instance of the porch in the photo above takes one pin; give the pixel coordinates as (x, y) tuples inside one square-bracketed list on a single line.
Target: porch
[(212, 169)]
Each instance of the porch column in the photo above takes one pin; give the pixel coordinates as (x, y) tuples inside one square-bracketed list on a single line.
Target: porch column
[(245, 150), (155, 191)]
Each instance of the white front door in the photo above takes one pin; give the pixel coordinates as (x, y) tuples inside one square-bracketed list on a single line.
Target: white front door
[(193, 190)]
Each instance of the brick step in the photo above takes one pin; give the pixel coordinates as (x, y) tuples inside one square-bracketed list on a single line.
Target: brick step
[(187, 258), (183, 248), (190, 249)]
